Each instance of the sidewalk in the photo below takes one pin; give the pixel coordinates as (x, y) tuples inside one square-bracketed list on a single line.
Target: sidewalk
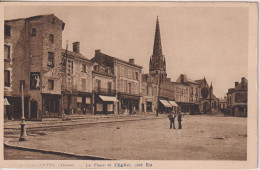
[(77, 120)]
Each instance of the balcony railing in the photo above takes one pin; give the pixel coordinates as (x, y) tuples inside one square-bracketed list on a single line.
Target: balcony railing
[(104, 91)]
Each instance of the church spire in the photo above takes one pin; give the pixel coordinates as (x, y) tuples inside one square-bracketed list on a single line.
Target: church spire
[(157, 47)]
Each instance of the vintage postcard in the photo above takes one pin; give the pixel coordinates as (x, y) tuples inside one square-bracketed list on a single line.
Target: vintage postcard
[(114, 85)]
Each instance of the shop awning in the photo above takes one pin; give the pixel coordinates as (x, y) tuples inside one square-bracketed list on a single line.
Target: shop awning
[(165, 103), (6, 103), (108, 98), (173, 103)]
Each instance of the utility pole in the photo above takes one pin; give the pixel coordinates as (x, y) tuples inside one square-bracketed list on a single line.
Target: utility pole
[(23, 129), (159, 84)]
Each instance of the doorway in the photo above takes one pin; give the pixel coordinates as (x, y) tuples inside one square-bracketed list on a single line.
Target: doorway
[(33, 109)]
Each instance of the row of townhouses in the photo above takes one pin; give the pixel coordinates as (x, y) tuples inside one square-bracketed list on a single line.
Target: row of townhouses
[(57, 81)]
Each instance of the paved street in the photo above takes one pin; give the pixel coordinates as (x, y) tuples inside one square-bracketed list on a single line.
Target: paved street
[(202, 138), (14, 154)]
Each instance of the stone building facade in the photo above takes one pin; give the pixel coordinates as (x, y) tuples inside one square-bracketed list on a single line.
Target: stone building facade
[(237, 99), (34, 46), (128, 81), (149, 94), (105, 101), (77, 82)]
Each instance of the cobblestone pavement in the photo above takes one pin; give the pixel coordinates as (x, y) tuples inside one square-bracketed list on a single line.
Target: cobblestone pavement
[(202, 138)]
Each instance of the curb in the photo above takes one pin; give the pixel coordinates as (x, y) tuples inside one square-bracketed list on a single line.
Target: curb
[(81, 123), (59, 153)]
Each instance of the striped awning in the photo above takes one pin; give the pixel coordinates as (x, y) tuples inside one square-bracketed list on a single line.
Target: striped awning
[(6, 103), (165, 103), (108, 98), (173, 103)]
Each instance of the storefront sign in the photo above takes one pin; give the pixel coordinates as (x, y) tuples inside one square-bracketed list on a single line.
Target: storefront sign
[(79, 99), (88, 100), (35, 80)]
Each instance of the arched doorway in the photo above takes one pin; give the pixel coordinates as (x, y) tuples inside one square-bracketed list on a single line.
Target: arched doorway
[(206, 107)]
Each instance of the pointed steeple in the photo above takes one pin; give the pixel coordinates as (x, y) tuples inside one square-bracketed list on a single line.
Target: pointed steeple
[(157, 47)]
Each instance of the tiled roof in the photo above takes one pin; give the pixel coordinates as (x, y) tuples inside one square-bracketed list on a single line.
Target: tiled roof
[(77, 55), (115, 58)]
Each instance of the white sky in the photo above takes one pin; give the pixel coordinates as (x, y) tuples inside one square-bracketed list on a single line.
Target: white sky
[(197, 41)]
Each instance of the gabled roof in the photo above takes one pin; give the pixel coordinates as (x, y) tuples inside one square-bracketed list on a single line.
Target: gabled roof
[(100, 54), (241, 86), (75, 55), (186, 79), (36, 17)]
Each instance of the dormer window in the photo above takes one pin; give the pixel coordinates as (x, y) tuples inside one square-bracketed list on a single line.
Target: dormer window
[(33, 33), (108, 70), (96, 67)]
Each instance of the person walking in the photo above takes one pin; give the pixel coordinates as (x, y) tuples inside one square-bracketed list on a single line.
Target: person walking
[(172, 120), (179, 120)]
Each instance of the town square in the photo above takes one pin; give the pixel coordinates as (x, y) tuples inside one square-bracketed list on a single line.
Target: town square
[(125, 83)]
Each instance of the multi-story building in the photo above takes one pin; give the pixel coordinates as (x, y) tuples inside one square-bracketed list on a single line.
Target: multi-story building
[(76, 82), (223, 105), (32, 56), (237, 99), (149, 94), (104, 90), (128, 81), (186, 94)]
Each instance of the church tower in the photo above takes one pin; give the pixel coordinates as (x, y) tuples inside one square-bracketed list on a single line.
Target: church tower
[(157, 67)]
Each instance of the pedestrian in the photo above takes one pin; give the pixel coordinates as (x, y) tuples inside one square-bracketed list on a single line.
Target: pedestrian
[(172, 119), (179, 120)]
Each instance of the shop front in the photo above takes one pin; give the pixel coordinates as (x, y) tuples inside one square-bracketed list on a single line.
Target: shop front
[(129, 104), (13, 108), (174, 105), (51, 104), (105, 104), (164, 106), (84, 103)]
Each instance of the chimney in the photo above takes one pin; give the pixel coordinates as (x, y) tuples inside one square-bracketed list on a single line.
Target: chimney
[(97, 51), (75, 47), (132, 60), (243, 79), (236, 83)]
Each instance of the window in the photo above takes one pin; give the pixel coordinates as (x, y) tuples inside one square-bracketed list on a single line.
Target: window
[(7, 78), (83, 84), (136, 75), (98, 85), (109, 87), (7, 30), (50, 59), (33, 34), (51, 38), (50, 84), (53, 20), (7, 52), (130, 88), (84, 68), (125, 72)]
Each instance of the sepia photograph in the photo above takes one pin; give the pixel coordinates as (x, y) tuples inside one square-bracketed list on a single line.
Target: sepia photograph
[(129, 83)]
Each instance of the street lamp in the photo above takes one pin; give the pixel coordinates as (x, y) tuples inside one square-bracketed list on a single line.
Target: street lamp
[(23, 129)]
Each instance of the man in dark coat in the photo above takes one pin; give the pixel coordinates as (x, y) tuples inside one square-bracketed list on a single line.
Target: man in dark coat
[(172, 120), (179, 120)]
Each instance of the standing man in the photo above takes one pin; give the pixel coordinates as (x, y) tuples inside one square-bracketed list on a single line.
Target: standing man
[(179, 120), (172, 119)]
